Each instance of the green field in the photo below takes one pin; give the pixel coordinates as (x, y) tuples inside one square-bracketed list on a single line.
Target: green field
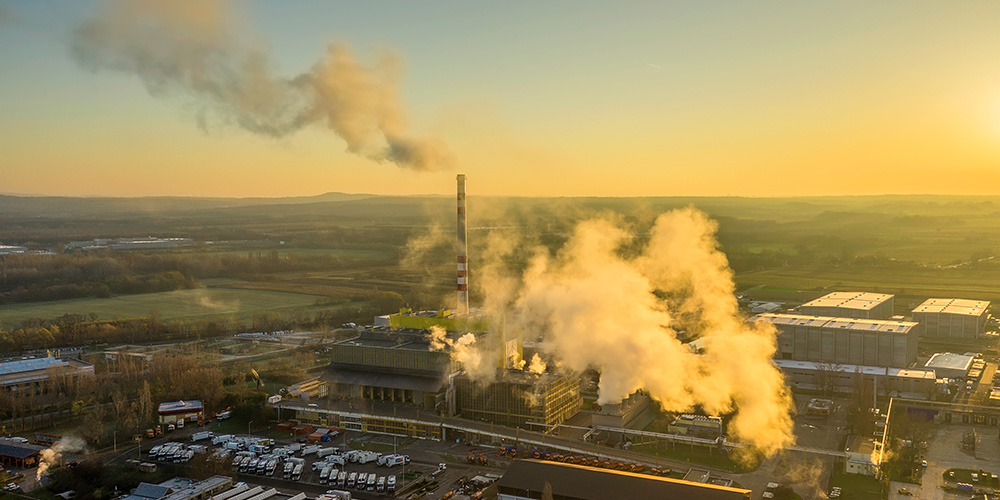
[(200, 303)]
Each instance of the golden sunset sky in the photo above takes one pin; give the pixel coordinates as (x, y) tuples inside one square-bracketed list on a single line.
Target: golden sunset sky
[(532, 98)]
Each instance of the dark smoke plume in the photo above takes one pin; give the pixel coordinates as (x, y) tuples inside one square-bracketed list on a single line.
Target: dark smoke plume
[(191, 48)]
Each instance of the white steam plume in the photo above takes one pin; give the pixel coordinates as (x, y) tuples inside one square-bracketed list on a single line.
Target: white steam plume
[(601, 307), (191, 48), (50, 456), (464, 351), (537, 365)]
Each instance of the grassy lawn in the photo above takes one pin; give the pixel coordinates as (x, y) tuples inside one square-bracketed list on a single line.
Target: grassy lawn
[(857, 487), (201, 303), (697, 456)]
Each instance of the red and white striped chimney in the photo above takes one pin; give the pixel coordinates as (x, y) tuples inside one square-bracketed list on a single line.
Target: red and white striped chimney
[(463, 251)]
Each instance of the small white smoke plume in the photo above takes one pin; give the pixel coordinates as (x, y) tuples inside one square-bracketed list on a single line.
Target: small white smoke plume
[(465, 351), (192, 48), (537, 365), (51, 456), (609, 302)]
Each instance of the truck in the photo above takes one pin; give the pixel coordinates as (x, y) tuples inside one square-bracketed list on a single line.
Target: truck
[(342, 478), (335, 495), (198, 436), (309, 450), (324, 475), (964, 487), (335, 460), (287, 473), (380, 487), (372, 481), (352, 479), (362, 481), (154, 450), (322, 452), (221, 439), (223, 415), (395, 460)]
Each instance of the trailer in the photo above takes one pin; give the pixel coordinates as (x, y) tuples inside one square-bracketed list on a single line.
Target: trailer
[(221, 439), (198, 436), (309, 450), (323, 452)]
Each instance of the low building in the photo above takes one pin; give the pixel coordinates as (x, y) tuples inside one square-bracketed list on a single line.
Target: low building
[(864, 455), (855, 305), (517, 397), (536, 479), (950, 365), (823, 339), (952, 318), (188, 411), (42, 376), (15, 454), (764, 307), (831, 378), (621, 414), (702, 426), (180, 488)]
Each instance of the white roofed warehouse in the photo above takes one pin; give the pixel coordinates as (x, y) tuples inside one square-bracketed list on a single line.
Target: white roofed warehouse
[(857, 305), (864, 342), (954, 318), (38, 377)]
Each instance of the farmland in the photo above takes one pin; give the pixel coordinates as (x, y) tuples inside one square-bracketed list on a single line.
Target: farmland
[(201, 303)]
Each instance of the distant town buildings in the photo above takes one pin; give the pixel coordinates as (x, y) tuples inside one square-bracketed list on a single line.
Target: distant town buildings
[(952, 318), (865, 342), (142, 243), (857, 305)]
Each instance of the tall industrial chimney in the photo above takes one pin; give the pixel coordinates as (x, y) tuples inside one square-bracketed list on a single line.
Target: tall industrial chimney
[(463, 251)]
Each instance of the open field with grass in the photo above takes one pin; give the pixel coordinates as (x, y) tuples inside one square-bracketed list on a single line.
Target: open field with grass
[(200, 303)]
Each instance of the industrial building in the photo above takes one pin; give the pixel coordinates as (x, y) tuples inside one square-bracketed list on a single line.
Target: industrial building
[(189, 411), (856, 305), (702, 426), (518, 397), (950, 365), (529, 480), (385, 364), (37, 376), (955, 318), (844, 341), (828, 378)]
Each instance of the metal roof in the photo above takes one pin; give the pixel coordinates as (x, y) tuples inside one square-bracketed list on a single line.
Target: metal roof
[(850, 300), (189, 405), (147, 490), (865, 370), (870, 325), (14, 449), (29, 365), (570, 481), (962, 307), (950, 361)]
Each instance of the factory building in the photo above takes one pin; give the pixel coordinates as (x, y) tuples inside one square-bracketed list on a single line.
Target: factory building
[(954, 318), (950, 365), (529, 479), (519, 397), (835, 378), (390, 365), (39, 376), (856, 305), (844, 341)]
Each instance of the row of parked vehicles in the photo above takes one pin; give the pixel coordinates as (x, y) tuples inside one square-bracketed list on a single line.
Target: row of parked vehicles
[(357, 480), (175, 452)]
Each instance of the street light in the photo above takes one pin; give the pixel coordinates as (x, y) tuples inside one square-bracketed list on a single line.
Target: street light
[(248, 426)]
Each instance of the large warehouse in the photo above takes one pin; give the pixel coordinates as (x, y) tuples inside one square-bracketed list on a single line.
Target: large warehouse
[(827, 378), (857, 305), (960, 318), (844, 341), (36, 376), (528, 479)]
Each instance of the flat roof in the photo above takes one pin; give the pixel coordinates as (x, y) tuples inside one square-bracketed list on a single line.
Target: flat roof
[(181, 406), (592, 483), (860, 444), (950, 360), (869, 325), (913, 373), (964, 307), (30, 365), (850, 300), (13, 449)]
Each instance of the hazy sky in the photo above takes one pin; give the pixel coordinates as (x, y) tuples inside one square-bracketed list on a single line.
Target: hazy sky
[(531, 98)]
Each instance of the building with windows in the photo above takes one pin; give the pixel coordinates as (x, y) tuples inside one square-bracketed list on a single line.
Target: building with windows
[(518, 397), (188, 411), (37, 377), (535, 479), (834, 378), (864, 342), (952, 318), (856, 305)]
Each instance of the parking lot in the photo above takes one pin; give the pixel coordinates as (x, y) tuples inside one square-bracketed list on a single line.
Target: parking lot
[(437, 466)]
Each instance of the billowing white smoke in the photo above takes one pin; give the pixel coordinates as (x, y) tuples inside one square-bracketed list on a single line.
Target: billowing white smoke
[(597, 309), (190, 47), (51, 456), (465, 352), (537, 365)]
